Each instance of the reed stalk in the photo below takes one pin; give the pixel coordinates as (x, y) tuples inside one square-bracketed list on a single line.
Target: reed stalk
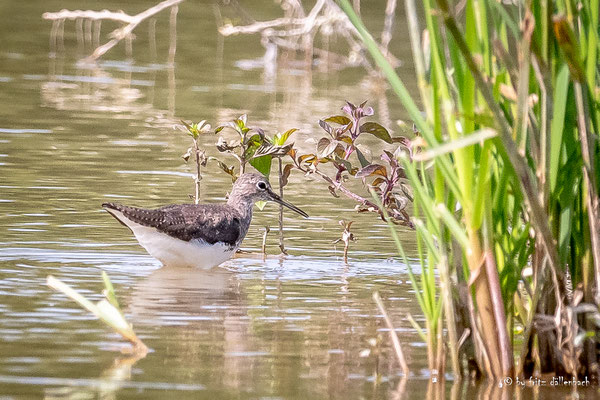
[(505, 178)]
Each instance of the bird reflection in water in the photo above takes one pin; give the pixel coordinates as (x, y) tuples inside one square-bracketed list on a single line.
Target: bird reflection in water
[(206, 314)]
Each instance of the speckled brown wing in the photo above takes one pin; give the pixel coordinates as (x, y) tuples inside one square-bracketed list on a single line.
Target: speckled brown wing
[(211, 223)]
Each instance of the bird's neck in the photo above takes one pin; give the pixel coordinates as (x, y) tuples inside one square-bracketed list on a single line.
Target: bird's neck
[(243, 206)]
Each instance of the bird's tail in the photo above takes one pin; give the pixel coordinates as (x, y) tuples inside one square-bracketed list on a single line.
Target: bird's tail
[(116, 210)]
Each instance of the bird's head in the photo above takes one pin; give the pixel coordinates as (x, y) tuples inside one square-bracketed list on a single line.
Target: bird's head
[(256, 187)]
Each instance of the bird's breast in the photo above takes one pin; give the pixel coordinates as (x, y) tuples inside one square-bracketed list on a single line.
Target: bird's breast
[(175, 252)]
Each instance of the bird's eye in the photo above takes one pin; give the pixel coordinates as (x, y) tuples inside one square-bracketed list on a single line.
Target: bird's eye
[(261, 185)]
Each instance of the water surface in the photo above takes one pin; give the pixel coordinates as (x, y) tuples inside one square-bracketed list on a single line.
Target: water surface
[(73, 136)]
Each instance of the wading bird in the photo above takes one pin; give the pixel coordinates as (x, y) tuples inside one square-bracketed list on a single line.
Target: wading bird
[(198, 235)]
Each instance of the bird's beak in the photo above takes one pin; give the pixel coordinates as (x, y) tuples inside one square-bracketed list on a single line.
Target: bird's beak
[(292, 207)]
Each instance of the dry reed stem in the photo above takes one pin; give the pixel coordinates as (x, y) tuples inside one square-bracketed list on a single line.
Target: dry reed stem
[(499, 314), (393, 335), (117, 323)]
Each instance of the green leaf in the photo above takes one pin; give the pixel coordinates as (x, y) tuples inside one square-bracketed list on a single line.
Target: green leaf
[(255, 140), (240, 125), (559, 108), (190, 129), (338, 119), (361, 158), (376, 130), (252, 144), (109, 291), (262, 164), (454, 226), (281, 138)]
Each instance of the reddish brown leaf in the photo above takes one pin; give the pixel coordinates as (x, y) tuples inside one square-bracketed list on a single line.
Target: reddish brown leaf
[(377, 181), (371, 170), (286, 174), (306, 158)]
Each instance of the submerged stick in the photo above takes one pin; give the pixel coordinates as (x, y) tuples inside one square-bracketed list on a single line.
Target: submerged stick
[(388, 25), (393, 335), (117, 35)]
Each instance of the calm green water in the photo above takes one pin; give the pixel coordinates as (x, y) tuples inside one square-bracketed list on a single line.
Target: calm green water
[(74, 136)]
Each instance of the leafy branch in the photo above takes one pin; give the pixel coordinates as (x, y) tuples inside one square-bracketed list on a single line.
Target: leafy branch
[(195, 130), (341, 150)]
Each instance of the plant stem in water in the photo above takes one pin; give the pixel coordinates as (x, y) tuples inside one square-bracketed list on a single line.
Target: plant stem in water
[(281, 245), (198, 176), (393, 335), (264, 241)]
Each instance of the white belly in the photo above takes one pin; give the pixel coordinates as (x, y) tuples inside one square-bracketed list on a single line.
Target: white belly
[(174, 252)]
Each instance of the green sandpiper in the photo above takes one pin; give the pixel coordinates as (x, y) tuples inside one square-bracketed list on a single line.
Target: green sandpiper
[(198, 235)]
